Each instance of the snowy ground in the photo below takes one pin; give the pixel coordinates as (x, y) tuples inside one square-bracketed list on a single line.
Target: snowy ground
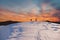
[(30, 31)]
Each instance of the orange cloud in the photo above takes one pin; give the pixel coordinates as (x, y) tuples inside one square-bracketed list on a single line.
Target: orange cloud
[(6, 15)]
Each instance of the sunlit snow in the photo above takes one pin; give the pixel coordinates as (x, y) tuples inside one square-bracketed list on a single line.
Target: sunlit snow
[(30, 31)]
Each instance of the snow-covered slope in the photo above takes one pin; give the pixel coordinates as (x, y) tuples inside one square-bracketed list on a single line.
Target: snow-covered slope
[(30, 31)]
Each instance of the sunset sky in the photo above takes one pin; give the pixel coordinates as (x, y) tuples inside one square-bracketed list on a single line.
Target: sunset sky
[(32, 6)]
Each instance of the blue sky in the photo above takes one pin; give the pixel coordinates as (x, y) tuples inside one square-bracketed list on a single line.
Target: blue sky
[(17, 5)]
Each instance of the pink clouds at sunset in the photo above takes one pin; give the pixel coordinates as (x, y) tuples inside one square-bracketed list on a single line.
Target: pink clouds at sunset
[(6, 15)]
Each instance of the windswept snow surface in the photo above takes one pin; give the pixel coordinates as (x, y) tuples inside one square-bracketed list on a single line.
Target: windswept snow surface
[(30, 31)]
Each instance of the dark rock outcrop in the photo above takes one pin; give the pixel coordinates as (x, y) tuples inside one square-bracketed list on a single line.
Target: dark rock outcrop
[(8, 22), (53, 22)]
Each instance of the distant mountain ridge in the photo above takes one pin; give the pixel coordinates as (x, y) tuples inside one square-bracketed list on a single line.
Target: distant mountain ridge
[(12, 22), (8, 22)]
